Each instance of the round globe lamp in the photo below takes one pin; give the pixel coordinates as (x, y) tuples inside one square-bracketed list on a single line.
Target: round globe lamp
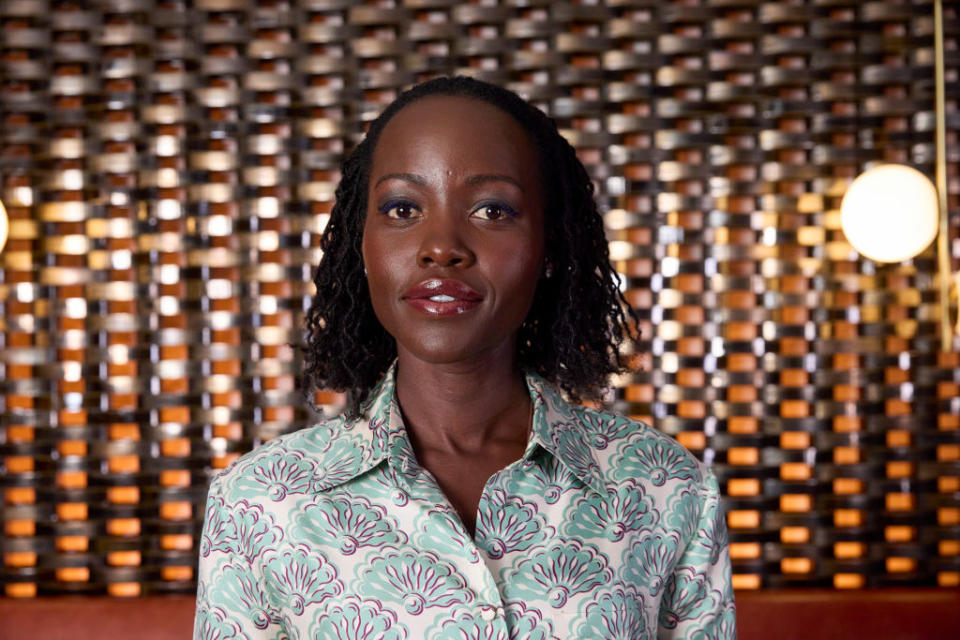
[(890, 213), (4, 226)]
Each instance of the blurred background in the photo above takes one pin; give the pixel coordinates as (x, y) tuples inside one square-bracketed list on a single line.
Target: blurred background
[(168, 166)]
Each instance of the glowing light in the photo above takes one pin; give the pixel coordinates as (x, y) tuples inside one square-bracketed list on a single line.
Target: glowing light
[(4, 226), (889, 213)]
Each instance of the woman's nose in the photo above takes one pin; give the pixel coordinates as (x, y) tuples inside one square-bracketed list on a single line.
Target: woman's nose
[(443, 246)]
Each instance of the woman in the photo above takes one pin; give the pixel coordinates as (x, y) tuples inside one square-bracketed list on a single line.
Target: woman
[(465, 283)]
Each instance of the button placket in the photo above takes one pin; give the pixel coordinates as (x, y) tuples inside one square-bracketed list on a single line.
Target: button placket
[(488, 613)]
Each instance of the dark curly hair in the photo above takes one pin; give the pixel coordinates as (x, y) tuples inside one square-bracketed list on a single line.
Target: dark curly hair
[(578, 318)]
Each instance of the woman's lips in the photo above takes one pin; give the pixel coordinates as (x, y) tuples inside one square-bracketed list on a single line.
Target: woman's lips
[(442, 297)]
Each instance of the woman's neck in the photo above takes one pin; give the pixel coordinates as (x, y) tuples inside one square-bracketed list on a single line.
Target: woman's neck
[(463, 407)]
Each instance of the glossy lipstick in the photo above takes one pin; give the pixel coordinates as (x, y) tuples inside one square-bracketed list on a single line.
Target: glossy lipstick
[(442, 297)]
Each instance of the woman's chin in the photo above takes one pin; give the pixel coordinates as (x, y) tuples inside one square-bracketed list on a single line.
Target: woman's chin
[(446, 349)]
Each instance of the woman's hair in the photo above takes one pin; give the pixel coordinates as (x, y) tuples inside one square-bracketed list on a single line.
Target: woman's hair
[(578, 318)]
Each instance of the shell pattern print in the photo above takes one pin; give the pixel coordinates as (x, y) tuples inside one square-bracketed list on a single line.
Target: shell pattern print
[(605, 529)]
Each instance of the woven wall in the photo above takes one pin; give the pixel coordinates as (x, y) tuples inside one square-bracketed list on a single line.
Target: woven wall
[(168, 167)]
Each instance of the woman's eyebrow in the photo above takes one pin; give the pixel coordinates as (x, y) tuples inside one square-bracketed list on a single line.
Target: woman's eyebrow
[(409, 177), (494, 177), (479, 178)]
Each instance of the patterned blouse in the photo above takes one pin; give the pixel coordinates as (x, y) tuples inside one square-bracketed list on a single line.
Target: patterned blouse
[(605, 528)]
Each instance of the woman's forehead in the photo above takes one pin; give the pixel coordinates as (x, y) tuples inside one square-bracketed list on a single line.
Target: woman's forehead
[(463, 131)]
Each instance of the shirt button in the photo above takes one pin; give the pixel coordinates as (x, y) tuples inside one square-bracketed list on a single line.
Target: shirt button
[(488, 613)]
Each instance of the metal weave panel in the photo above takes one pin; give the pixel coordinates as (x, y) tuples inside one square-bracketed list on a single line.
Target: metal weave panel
[(168, 167)]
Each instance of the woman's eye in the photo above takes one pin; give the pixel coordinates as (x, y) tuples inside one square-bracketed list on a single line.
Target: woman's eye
[(493, 212), (399, 210)]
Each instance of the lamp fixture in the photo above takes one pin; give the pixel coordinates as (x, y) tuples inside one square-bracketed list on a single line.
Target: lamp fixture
[(4, 226), (889, 213), (892, 212)]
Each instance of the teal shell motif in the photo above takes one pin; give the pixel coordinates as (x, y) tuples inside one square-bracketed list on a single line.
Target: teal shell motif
[(549, 479), (650, 559), (617, 614), (418, 578), (439, 529), (507, 523), (570, 443), (248, 534), (528, 622), (656, 461), (342, 458), (605, 529), (718, 625), (354, 618), (278, 474), (466, 626), (624, 509), (688, 595), (684, 508), (712, 537), (215, 536), (240, 588), (347, 522), (297, 576), (214, 623), (603, 428), (564, 568)]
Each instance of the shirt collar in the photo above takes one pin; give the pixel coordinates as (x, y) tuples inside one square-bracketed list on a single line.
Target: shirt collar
[(558, 427), (380, 435)]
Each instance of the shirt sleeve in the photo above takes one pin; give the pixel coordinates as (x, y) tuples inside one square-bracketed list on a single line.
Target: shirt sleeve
[(231, 600), (697, 603)]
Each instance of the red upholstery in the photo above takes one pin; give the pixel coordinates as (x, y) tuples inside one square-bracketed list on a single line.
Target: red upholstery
[(67, 618), (902, 614), (826, 614)]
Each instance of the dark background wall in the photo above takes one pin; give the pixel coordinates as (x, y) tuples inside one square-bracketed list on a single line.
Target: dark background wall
[(168, 167)]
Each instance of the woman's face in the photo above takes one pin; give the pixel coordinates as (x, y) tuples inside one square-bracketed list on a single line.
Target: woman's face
[(453, 241)]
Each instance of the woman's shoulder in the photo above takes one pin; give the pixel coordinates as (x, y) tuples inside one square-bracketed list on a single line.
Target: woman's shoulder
[(295, 462), (627, 448)]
